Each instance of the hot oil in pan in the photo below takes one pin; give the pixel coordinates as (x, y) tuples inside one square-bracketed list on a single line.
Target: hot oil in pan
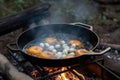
[(62, 39)]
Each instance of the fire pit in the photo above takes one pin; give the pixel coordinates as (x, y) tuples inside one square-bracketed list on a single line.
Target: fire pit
[(92, 70)]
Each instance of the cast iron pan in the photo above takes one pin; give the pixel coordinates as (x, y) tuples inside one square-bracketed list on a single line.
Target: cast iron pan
[(59, 31)]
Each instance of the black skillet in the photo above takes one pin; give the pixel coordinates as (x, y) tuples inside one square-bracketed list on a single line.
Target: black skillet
[(61, 31)]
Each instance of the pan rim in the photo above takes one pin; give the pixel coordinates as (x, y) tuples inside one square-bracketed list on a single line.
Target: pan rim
[(56, 24)]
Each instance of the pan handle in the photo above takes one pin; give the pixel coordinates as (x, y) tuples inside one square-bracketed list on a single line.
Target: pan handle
[(98, 53), (85, 25), (10, 47)]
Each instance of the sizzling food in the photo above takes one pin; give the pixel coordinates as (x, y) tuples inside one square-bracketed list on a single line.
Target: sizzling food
[(51, 48), (75, 42), (34, 50), (50, 40), (80, 52)]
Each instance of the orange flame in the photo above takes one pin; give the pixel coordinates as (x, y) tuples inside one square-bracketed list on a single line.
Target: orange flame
[(63, 75), (82, 76), (69, 75)]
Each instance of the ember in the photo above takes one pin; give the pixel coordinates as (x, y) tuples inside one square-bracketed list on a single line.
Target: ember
[(51, 70), (35, 74)]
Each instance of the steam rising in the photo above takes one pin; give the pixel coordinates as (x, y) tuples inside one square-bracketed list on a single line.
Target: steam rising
[(72, 11), (67, 11)]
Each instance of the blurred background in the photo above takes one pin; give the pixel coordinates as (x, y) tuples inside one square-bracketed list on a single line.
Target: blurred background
[(103, 15)]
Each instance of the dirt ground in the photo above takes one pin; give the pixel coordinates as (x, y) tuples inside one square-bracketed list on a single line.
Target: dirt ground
[(109, 30)]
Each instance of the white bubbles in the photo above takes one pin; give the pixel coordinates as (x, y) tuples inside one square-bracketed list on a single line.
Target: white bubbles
[(71, 54), (46, 44), (57, 46), (42, 44), (65, 51), (71, 49), (63, 42), (64, 45), (61, 49), (58, 55), (118, 59), (51, 47), (54, 50)]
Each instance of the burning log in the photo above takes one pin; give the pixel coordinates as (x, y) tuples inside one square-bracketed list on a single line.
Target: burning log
[(11, 71)]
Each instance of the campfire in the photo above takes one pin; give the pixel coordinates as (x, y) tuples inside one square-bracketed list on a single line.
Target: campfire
[(92, 70), (65, 74), (17, 67)]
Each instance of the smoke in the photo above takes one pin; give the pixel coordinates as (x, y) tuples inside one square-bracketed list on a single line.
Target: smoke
[(67, 11)]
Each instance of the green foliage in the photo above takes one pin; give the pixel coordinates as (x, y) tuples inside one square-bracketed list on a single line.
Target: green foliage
[(88, 20), (68, 11), (103, 20), (2, 1), (117, 20), (8, 7)]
